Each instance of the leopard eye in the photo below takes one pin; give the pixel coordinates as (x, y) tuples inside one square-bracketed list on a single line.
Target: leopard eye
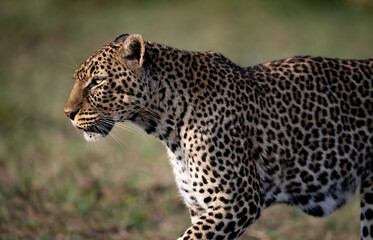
[(95, 81)]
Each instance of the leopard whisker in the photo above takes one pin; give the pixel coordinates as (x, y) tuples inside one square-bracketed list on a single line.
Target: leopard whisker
[(131, 130), (101, 128), (72, 59), (122, 126)]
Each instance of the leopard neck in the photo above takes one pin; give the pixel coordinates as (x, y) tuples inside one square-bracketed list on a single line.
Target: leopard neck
[(167, 77)]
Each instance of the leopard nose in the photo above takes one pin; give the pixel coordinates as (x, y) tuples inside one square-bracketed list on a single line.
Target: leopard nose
[(71, 114)]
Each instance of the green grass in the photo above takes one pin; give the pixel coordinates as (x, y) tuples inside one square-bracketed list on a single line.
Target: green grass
[(53, 185)]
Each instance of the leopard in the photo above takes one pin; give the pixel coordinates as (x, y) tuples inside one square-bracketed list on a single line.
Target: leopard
[(296, 131)]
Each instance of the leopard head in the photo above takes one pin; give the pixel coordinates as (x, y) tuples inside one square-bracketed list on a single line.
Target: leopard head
[(110, 86)]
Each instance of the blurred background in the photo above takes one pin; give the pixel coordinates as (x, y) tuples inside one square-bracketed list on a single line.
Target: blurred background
[(54, 185)]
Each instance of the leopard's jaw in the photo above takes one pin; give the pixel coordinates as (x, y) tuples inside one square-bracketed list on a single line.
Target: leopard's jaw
[(93, 137)]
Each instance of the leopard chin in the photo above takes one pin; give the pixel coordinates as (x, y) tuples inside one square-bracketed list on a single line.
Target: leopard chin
[(93, 136), (98, 131)]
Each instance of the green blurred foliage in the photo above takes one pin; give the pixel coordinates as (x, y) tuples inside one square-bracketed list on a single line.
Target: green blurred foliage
[(53, 185)]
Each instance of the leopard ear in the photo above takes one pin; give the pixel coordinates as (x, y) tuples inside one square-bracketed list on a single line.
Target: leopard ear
[(121, 38), (132, 50)]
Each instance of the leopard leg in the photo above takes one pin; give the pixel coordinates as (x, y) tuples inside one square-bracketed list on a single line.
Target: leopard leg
[(225, 218), (366, 203)]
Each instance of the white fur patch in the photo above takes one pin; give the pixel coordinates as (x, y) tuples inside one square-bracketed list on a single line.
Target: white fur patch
[(93, 137)]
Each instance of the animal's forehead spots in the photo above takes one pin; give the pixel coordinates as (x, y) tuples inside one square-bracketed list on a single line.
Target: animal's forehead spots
[(101, 64), (76, 73), (80, 73), (89, 68), (83, 72), (101, 56)]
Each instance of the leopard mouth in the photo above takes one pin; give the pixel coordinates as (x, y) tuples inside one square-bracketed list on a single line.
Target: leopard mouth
[(99, 130)]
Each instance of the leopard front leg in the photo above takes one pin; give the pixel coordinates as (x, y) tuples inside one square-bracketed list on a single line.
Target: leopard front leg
[(222, 184), (226, 218), (366, 202)]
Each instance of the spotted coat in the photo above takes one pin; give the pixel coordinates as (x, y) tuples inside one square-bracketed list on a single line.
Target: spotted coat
[(297, 131)]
